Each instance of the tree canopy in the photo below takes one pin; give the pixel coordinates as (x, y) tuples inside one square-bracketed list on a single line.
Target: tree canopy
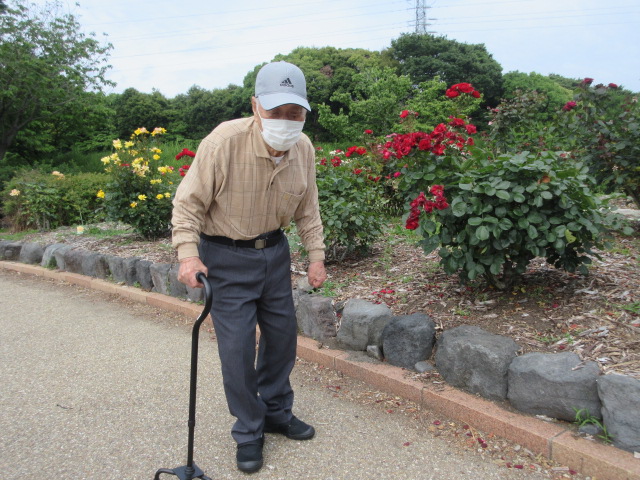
[(48, 64), (424, 57)]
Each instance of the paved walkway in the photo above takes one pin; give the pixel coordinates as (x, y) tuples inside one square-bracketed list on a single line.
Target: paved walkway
[(95, 388)]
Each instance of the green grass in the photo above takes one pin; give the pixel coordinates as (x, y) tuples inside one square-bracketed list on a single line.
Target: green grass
[(16, 236)]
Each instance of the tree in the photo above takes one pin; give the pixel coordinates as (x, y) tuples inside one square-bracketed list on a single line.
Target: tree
[(556, 94), (200, 110), (424, 57), (376, 98), (47, 64), (135, 109)]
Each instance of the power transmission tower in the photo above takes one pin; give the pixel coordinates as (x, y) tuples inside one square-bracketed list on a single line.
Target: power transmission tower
[(422, 22)]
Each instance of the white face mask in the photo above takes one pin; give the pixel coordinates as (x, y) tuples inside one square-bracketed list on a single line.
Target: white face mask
[(281, 135)]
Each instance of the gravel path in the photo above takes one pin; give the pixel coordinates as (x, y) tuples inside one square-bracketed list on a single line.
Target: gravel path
[(96, 388)]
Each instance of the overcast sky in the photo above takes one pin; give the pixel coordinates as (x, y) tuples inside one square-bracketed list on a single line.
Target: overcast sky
[(171, 45)]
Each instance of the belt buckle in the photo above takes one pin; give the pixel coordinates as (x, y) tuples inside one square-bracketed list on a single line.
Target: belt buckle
[(261, 243)]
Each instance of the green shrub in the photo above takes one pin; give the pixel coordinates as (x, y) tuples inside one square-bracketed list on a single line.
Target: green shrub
[(507, 212), (34, 199), (140, 188), (601, 128), (351, 200)]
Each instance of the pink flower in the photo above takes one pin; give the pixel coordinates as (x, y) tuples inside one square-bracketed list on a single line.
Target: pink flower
[(397, 174)]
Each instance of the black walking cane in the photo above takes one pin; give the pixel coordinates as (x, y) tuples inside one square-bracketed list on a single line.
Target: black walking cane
[(191, 470)]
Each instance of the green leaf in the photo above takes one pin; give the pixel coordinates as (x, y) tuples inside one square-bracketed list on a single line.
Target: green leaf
[(518, 197), (482, 233), (503, 194), (474, 221), (459, 209)]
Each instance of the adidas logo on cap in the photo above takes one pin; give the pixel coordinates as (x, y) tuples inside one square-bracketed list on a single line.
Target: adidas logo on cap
[(286, 83)]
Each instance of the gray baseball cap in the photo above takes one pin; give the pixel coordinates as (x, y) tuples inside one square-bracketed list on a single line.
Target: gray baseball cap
[(279, 83)]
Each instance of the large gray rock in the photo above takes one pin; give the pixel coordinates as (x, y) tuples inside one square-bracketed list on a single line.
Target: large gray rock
[(48, 257), (130, 270), (123, 270), (160, 276), (620, 396), (95, 265), (59, 254), (362, 324), (176, 287), (555, 385), (3, 244), (10, 251), (471, 358), (408, 339), (195, 294), (316, 317), (73, 259), (143, 274), (31, 253)]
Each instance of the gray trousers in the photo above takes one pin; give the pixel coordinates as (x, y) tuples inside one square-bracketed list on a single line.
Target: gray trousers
[(252, 287)]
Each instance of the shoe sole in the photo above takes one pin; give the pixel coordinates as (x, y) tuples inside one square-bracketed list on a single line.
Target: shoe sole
[(308, 435), (251, 466)]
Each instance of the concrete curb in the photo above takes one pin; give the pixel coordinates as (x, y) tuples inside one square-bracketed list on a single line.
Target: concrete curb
[(551, 440)]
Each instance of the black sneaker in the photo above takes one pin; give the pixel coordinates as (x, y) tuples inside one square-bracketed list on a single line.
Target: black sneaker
[(249, 455), (294, 429)]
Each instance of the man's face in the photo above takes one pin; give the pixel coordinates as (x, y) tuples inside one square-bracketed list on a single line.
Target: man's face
[(289, 111)]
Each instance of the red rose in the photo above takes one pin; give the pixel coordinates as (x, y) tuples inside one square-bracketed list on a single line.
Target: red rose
[(475, 94), (452, 93), (368, 132), (613, 85), (471, 129), (404, 114), (185, 152)]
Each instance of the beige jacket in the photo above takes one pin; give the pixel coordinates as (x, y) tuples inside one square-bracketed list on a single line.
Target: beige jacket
[(234, 189)]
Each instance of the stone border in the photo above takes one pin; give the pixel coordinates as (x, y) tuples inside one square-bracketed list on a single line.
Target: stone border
[(553, 441)]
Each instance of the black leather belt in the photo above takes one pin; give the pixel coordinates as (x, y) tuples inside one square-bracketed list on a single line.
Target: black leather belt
[(265, 240)]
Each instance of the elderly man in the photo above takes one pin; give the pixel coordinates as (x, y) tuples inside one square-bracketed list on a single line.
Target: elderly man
[(249, 178)]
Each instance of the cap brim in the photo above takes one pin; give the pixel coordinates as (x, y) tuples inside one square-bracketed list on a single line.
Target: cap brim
[(270, 101)]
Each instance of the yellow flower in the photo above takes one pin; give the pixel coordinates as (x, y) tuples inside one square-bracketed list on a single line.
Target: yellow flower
[(128, 144), (156, 157), (158, 131), (156, 150), (57, 174), (155, 181), (159, 196), (105, 160), (15, 192), (140, 131), (133, 204), (100, 194), (167, 195), (117, 144), (164, 170), (142, 197)]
